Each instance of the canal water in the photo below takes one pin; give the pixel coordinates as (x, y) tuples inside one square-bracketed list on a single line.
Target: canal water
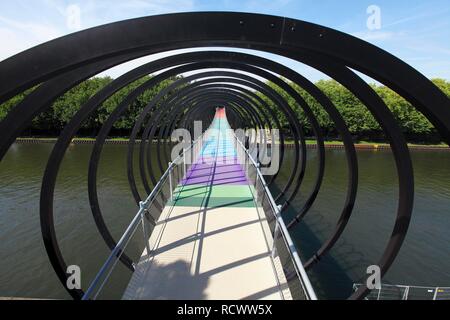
[(424, 259)]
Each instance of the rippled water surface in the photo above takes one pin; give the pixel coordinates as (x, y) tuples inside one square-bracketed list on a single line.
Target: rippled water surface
[(424, 259)]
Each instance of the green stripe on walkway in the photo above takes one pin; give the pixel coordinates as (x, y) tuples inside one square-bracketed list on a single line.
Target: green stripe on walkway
[(215, 196)]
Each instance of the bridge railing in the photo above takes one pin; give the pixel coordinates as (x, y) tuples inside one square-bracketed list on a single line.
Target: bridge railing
[(113, 278), (287, 264), (403, 292)]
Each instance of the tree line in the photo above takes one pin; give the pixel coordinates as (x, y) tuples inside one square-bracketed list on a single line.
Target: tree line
[(359, 119)]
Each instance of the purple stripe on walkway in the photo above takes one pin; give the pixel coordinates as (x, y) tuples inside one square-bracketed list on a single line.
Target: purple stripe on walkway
[(216, 174), (212, 160)]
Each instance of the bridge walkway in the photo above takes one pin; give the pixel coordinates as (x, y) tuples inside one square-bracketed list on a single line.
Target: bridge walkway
[(210, 240)]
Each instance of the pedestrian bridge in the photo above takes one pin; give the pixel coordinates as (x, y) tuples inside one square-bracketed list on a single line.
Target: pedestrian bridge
[(210, 228), (217, 235)]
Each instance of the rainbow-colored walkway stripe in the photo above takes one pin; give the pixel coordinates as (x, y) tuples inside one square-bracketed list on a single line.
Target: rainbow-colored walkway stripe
[(216, 179), (209, 243)]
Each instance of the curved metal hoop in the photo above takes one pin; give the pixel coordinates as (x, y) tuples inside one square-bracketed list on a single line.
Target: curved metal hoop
[(59, 65)]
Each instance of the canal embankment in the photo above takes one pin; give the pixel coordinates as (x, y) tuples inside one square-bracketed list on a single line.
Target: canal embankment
[(309, 144)]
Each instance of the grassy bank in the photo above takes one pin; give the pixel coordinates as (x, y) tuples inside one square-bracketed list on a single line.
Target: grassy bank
[(371, 143), (291, 142)]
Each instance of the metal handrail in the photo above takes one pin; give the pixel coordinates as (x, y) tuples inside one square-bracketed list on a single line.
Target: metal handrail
[(113, 258), (103, 275), (386, 288), (298, 265)]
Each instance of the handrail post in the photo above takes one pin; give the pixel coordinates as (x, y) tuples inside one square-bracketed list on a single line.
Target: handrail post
[(199, 148), (247, 163), (276, 231), (144, 210), (194, 152), (406, 293), (103, 275), (170, 181), (191, 153), (184, 162), (435, 293), (275, 236), (258, 165)]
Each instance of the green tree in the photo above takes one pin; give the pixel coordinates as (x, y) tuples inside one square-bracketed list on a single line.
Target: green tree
[(358, 118)]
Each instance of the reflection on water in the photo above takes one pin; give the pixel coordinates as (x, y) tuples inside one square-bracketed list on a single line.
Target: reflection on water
[(423, 260)]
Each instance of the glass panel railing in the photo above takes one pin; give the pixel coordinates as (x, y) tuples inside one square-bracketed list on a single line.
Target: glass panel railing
[(402, 292), (291, 275), (113, 279)]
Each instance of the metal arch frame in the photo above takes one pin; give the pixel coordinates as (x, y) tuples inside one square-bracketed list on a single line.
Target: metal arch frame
[(93, 166), (132, 138), (197, 109), (345, 214), (330, 109), (49, 178), (269, 124), (206, 29), (190, 89), (187, 120), (255, 100), (400, 150), (218, 100), (163, 134), (397, 74), (278, 100), (298, 132), (149, 130), (234, 119), (158, 116), (236, 112), (138, 124), (99, 142), (231, 108), (266, 123), (341, 225), (150, 170), (95, 156), (193, 113)]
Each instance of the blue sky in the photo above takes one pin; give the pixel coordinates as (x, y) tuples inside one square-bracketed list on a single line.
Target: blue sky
[(418, 32)]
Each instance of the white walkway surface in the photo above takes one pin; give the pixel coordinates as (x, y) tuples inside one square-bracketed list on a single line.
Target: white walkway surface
[(200, 253)]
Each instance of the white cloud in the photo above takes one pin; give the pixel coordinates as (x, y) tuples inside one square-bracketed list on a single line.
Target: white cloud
[(14, 44), (23, 34), (430, 48), (376, 35), (308, 72), (20, 36), (156, 6), (73, 17), (37, 32)]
